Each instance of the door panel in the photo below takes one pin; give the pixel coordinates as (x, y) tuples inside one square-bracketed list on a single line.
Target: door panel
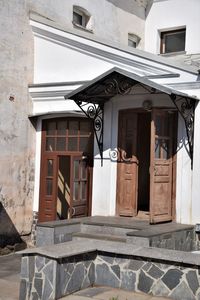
[(79, 187), (47, 210), (127, 167), (161, 167)]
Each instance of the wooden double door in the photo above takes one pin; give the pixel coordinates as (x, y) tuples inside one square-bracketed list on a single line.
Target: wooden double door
[(146, 171), (66, 169)]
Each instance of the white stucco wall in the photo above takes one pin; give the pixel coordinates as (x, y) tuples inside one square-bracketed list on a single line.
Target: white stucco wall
[(169, 15), (53, 63), (131, 23), (59, 60), (60, 57), (110, 20), (195, 209), (184, 177)]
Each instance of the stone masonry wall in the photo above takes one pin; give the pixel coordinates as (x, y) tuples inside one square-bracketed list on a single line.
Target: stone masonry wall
[(34, 226), (154, 277), (184, 240), (44, 278), (16, 131)]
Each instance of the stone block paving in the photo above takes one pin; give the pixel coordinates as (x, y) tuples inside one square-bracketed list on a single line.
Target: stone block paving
[(106, 293), (10, 266)]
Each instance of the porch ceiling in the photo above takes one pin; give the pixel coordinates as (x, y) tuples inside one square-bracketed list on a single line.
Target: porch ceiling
[(118, 82)]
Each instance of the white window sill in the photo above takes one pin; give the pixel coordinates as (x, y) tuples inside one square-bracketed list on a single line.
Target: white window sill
[(82, 27)]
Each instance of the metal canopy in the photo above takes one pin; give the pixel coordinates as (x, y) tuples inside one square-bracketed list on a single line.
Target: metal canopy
[(92, 96)]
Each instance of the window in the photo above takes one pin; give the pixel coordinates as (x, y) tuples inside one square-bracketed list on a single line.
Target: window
[(81, 18), (78, 19), (133, 40), (172, 41), (68, 135)]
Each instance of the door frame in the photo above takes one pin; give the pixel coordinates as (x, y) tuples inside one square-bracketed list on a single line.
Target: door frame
[(174, 156), (55, 155)]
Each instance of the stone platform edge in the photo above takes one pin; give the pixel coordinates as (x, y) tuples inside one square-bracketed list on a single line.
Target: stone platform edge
[(74, 248)]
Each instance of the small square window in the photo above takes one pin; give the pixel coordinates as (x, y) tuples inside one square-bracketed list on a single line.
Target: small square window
[(133, 40), (77, 18), (80, 17), (132, 43), (172, 41)]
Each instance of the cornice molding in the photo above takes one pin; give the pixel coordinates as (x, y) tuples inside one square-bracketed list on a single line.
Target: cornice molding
[(184, 85), (46, 30), (140, 68)]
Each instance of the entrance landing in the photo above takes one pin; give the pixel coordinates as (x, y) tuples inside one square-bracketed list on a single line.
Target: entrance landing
[(90, 256), (135, 224), (120, 229)]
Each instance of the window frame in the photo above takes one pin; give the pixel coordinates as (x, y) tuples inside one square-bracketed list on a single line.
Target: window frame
[(85, 16), (134, 38), (163, 34)]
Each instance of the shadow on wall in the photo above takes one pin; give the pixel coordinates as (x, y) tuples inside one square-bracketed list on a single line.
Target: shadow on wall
[(8, 233), (130, 6)]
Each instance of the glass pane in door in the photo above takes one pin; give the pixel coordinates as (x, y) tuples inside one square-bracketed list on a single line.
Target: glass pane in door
[(83, 170), (76, 191), (49, 187), (63, 188), (80, 187)]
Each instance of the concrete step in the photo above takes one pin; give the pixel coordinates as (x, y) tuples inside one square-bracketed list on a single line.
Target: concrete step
[(105, 229), (99, 236)]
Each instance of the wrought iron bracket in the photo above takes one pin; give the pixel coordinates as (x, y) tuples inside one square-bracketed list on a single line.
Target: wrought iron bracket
[(95, 112), (186, 108)]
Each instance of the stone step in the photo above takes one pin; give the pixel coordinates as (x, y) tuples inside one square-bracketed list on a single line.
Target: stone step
[(98, 236), (105, 229)]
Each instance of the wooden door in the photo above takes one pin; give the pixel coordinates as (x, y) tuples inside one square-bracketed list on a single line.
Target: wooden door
[(127, 167), (47, 208), (161, 179), (79, 187), (64, 142)]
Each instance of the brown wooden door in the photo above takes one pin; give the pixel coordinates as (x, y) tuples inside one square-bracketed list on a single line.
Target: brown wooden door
[(47, 209), (79, 187), (161, 167), (64, 142), (127, 167)]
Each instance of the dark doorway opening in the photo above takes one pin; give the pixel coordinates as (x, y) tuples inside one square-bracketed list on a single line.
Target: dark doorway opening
[(143, 154)]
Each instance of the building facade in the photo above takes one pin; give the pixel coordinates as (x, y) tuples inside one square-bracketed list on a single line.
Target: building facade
[(171, 30), (49, 164)]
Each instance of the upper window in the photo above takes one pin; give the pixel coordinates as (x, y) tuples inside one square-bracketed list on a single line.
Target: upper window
[(81, 18), (172, 41), (133, 40), (68, 135)]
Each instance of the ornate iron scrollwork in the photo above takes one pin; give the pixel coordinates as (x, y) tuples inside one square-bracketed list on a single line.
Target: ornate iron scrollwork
[(91, 101), (186, 108), (95, 113), (118, 87)]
